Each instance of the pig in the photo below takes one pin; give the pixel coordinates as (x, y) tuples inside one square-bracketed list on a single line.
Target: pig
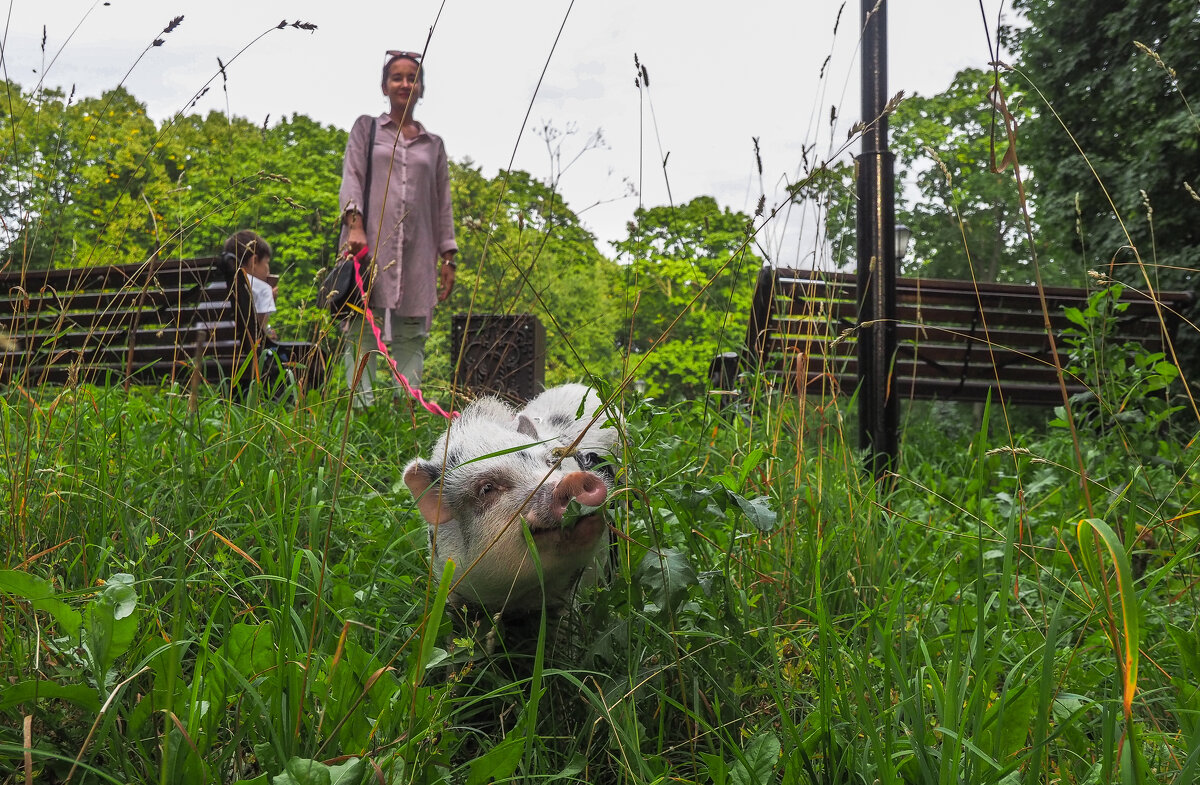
[(566, 415), (496, 472)]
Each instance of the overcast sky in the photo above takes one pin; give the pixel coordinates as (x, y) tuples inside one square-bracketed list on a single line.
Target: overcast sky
[(720, 74)]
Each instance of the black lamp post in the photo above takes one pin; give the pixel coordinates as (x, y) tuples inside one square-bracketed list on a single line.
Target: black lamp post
[(877, 410)]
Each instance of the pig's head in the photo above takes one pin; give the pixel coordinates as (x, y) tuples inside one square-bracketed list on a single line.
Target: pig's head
[(569, 416), (487, 480)]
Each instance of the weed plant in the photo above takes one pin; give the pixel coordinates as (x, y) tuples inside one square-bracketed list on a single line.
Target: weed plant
[(216, 592), (240, 593)]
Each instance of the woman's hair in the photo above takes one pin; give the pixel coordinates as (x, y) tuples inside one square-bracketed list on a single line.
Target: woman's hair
[(244, 246), (388, 66)]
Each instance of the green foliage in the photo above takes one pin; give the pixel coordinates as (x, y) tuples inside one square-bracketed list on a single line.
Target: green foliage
[(280, 180), (688, 275), (267, 614), (968, 221), (79, 179), (95, 182), (1138, 390), (200, 591), (304, 771), (966, 218), (521, 250), (1113, 81), (40, 595)]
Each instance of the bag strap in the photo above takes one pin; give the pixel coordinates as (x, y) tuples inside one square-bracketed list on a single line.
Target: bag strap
[(367, 187)]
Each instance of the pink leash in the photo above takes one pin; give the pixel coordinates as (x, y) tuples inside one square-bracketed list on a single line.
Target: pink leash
[(429, 406)]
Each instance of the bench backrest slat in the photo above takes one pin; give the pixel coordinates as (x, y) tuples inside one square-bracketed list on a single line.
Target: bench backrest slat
[(135, 322), (955, 339)]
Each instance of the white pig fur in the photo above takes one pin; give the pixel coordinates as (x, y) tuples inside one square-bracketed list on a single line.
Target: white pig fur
[(496, 470)]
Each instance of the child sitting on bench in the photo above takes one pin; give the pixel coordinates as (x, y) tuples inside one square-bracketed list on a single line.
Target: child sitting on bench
[(252, 254)]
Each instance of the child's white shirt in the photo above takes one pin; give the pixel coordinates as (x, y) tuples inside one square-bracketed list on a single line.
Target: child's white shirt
[(264, 299)]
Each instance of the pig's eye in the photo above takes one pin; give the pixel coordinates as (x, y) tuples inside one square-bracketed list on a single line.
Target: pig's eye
[(595, 462), (488, 493)]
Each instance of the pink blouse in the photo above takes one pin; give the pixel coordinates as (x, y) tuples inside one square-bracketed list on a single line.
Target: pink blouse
[(411, 222)]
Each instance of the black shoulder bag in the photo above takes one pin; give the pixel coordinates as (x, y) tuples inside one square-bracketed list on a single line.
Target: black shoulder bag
[(338, 292)]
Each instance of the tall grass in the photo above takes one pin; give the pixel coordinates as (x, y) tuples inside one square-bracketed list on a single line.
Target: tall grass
[(241, 593)]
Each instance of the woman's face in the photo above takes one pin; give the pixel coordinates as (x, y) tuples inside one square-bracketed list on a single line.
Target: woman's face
[(402, 86)]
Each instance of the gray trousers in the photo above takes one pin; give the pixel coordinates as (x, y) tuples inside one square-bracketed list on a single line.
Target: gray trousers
[(407, 348)]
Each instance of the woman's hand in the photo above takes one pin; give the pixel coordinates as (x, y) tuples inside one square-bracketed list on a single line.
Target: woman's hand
[(356, 238), (445, 280)]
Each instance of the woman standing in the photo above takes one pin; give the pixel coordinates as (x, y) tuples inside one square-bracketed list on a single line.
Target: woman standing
[(408, 225)]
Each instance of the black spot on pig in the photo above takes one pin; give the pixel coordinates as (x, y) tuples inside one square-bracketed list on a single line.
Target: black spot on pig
[(560, 422), (595, 462)]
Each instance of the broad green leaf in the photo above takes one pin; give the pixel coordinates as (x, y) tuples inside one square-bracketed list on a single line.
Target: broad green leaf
[(757, 510), (247, 652), (305, 771), (40, 595), (249, 648), (109, 625), (1188, 648), (1076, 316), (119, 590), (1166, 369), (499, 762), (356, 693), (29, 691), (575, 511), (716, 768), (347, 773), (758, 765), (749, 464), (1086, 532), (1007, 723), (574, 767), (666, 574)]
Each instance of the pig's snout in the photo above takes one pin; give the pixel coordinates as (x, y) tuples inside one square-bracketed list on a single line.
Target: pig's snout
[(587, 488)]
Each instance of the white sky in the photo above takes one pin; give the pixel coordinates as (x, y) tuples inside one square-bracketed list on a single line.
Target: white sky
[(720, 73)]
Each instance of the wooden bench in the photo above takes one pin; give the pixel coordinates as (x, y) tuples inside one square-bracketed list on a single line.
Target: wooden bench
[(956, 340), (170, 320)]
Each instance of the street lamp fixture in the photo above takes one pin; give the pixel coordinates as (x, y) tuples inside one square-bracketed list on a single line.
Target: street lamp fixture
[(903, 238)]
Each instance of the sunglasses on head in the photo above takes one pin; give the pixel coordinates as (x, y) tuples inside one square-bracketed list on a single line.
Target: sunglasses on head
[(401, 53)]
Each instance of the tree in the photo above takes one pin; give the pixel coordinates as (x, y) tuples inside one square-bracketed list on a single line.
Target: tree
[(98, 183), (521, 250), (281, 181), (32, 191), (688, 278), (1119, 74), (116, 179), (967, 221), (79, 179)]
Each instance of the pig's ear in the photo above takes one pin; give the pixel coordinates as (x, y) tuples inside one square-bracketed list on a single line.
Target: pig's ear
[(525, 426), (422, 477)]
